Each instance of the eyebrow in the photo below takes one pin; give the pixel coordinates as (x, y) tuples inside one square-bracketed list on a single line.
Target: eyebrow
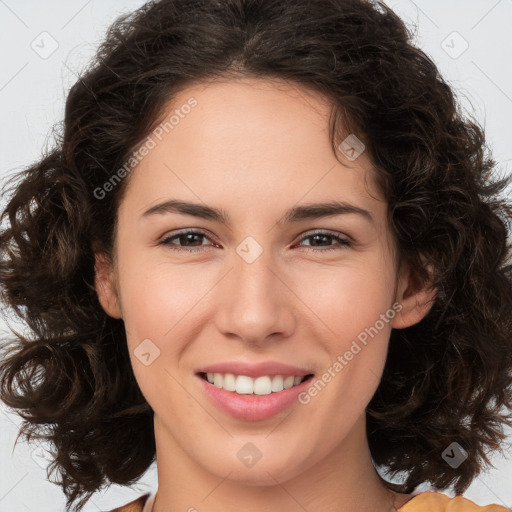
[(295, 214)]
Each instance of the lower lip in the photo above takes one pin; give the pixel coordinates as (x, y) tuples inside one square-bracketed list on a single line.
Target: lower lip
[(253, 407)]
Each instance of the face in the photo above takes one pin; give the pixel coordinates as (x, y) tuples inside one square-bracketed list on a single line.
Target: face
[(247, 275)]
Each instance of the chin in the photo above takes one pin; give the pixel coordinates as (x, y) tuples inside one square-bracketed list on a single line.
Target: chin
[(253, 467)]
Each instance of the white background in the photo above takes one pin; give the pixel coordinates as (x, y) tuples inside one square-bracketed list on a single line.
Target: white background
[(32, 93)]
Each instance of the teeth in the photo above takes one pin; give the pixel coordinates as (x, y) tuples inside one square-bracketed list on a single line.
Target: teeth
[(244, 385), (229, 382)]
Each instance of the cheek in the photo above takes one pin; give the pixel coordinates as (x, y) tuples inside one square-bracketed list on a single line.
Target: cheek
[(349, 300), (156, 297), (158, 306)]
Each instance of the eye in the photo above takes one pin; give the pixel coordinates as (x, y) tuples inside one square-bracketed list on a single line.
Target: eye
[(318, 237), (189, 238), (191, 241)]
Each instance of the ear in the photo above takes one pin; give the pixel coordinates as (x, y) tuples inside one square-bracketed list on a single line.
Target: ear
[(415, 297), (105, 285)]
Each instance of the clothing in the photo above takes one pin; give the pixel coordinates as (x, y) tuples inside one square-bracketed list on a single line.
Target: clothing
[(424, 502), (142, 504), (437, 502)]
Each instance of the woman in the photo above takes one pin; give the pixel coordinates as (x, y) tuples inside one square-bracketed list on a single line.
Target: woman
[(269, 252)]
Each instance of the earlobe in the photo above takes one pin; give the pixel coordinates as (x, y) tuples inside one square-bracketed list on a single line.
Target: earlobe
[(105, 286), (415, 297)]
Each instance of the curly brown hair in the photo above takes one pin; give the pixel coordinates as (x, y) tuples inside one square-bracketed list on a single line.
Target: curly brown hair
[(447, 378)]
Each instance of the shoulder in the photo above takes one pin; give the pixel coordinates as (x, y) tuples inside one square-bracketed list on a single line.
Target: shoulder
[(134, 506), (438, 502)]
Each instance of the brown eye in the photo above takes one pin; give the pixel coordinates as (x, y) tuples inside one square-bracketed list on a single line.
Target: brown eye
[(319, 238), (186, 241)]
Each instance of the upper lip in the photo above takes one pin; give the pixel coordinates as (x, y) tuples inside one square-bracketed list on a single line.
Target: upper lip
[(256, 369)]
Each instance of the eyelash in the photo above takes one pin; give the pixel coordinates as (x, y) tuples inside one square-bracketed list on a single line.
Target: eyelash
[(342, 241)]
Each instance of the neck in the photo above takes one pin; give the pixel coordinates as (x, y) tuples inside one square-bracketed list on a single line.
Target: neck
[(343, 481)]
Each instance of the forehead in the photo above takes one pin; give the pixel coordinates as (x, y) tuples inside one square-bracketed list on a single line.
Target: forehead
[(246, 113), (250, 139)]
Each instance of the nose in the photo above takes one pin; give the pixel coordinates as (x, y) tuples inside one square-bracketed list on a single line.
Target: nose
[(256, 303)]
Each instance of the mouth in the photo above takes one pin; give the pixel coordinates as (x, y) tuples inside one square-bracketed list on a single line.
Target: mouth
[(258, 386), (253, 399)]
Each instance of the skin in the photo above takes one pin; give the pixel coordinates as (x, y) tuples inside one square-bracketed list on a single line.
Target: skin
[(255, 148)]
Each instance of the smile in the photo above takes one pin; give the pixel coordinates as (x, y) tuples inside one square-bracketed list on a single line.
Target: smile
[(252, 399), (245, 385)]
